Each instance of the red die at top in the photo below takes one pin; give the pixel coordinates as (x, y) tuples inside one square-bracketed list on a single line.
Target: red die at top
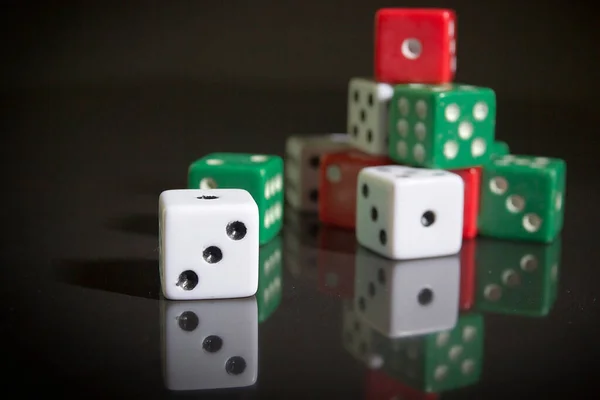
[(338, 177), (472, 183), (415, 45)]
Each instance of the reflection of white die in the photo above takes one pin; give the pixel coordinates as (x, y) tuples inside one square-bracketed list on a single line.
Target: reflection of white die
[(357, 337), (209, 344), (406, 213), (208, 244), (406, 298), (302, 160), (368, 103)]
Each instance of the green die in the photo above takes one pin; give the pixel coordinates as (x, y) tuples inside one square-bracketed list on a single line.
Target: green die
[(499, 149), (442, 126), (522, 198), (517, 278), (436, 362), (260, 175), (270, 272)]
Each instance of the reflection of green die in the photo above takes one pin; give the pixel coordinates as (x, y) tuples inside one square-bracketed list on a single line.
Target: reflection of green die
[(442, 126), (522, 198), (270, 273), (436, 362), (517, 278), (260, 175), (499, 149)]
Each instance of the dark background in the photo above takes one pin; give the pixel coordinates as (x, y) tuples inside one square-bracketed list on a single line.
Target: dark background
[(106, 103)]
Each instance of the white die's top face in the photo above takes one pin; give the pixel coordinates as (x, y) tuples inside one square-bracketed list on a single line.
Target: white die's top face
[(209, 244), (405, 298), (210, 345), (368, 103), (203, 198)]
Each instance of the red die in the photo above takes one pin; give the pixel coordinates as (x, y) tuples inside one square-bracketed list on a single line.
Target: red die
[(472, 179), (338, 177), (335, 261), (415, 45), (380, 386), (467, 275)]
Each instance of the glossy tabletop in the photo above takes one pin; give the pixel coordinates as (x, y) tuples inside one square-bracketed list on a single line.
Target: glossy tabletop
[(81, 306)]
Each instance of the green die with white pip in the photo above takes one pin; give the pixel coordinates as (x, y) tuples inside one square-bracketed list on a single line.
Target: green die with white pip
[(260, 175), (436, 362), (517, 278), (270, 274), (523, 198), (499, 149), (447, 126)]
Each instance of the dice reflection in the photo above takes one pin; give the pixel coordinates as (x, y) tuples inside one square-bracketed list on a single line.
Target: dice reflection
[(435, 362), (209, 344), (381, 386), (517, 278), (270, 275), (300, 240), (335, 262), (405, 298), (357, 337)]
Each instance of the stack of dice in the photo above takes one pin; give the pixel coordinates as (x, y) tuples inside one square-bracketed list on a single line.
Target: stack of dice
[(419, 168)]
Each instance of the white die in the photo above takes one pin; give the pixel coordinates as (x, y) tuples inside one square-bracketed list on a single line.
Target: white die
[(368, 104), (208, 242), (405, 213), (209, 344), (302, 160), (407, 298), (357, 337)]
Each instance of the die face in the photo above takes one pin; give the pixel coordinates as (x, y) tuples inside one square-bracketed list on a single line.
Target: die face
[(270, 276), (419, 212), (453, 359), (407, 298), (261, 175), (523, 198), (208, 244), (209, 345), (338, 179), (517, 278), (302, 160), (448, 126), (472, 183), (368, 103), (415, 45)]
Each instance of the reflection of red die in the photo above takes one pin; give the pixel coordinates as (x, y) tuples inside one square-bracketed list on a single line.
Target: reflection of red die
[(467, 275), (335, 261), (382, 387), (338, 177), (415, 45), (472, 179)]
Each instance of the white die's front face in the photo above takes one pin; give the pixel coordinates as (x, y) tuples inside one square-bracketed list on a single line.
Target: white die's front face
[(210, 246), (210, 344), (429, 215), (368, 103), (404, 298)]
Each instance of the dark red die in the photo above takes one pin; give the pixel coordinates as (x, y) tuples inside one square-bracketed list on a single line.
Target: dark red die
[(472, 179), (467, 275), (338, 177), (415, 45)]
